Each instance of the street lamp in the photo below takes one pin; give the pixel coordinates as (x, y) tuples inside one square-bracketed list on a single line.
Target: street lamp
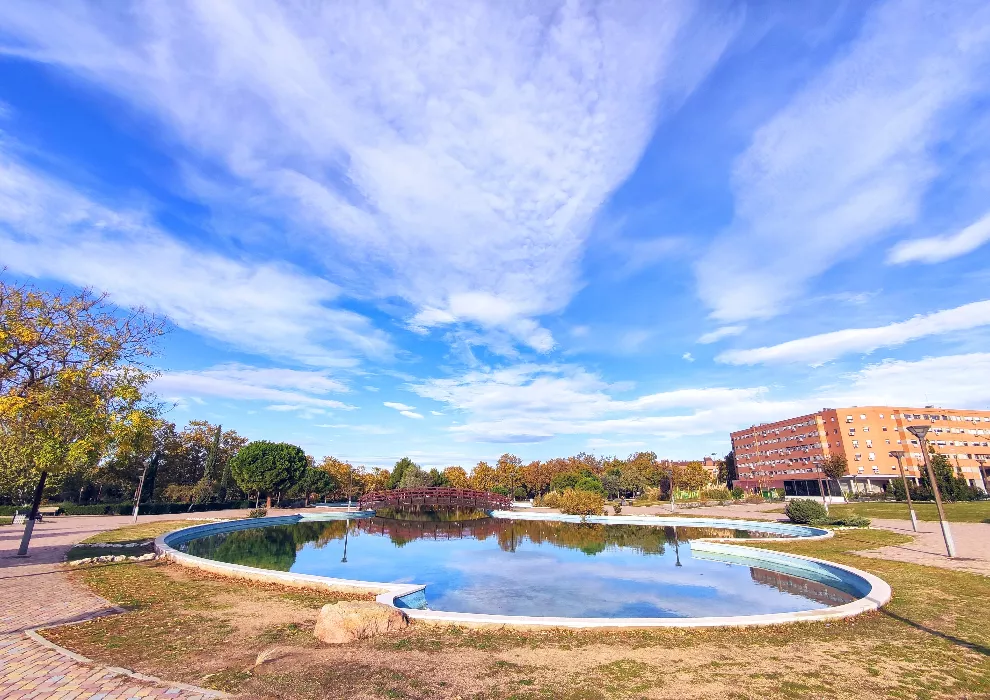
[(898, 454), (919, 431)]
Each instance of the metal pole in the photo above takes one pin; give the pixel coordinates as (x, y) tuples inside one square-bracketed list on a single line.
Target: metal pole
[(137, 494), (897, 454), (983, 475), (920, 431)]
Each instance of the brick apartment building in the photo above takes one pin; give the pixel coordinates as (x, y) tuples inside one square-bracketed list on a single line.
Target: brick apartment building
[(786, 454)]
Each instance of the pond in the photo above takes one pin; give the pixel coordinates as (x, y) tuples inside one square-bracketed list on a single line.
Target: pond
[(529, 567)]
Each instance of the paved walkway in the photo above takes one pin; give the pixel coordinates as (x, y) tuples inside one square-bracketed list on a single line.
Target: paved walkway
[(36, 592)]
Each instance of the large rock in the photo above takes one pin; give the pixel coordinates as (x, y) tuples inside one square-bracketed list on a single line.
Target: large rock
[(339, 623)]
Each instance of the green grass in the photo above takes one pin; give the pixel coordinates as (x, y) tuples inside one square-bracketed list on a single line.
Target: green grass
[(137, 533), (962, 512)]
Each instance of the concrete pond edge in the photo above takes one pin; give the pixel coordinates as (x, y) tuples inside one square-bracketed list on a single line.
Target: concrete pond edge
[(873, 591)]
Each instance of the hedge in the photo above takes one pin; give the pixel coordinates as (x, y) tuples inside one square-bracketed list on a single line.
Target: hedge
[(127, 508)]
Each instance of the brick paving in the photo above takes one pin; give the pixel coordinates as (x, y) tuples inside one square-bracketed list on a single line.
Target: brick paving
[(34, 591)]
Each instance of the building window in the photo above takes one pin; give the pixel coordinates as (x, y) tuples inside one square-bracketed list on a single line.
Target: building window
[(862, 416), (873, 457), (849, 419), (876, 470), (859, 469), (884, 428), (858, 457), (869, 443), (866, 428), (855, 443), (881, 415), (852, 431)]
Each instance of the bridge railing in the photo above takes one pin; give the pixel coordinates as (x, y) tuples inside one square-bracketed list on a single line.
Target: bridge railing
[(435, 496)]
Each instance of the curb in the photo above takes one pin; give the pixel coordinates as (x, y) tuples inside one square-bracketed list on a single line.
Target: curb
[(33, 635), (875, 596)]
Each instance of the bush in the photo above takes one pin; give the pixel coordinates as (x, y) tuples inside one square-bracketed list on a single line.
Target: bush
[(583, 503), (805, 511), (258, 513), (716, 494), (851, 521), (549, 500), (618, 508), (591, 484), (737, 493), (754, 498), (126, 508)]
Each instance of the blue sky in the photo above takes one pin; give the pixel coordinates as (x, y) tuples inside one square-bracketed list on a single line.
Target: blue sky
[(450, 230)]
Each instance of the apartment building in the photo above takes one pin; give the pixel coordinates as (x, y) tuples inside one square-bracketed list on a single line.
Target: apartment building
[(787, 454)]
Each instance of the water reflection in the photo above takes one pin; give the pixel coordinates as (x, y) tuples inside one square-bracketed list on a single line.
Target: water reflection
[(527, 567), (276, 547)]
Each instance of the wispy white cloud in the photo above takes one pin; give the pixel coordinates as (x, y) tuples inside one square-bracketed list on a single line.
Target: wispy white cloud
[(687, 357), (366, 429), (286, 389), (720, 333), (462, 148), (410, 414), (50, 230), (849, 157), (531, 403), (818, 349), (936, 249), (399, 406)]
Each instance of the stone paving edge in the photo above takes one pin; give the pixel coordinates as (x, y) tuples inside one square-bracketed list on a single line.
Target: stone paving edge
[(33, 635)]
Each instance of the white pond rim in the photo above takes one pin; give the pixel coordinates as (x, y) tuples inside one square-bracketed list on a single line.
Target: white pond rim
[(872, 591)]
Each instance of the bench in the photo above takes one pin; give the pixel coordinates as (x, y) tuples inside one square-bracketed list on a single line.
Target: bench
[(50, 511)]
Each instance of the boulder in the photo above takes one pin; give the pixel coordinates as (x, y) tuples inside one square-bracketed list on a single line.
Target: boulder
[(348, 621)]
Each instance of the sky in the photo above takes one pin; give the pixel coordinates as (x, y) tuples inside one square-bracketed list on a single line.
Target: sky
[(450, 230)]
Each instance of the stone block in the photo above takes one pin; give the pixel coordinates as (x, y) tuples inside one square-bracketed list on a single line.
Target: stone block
[(348, 621)]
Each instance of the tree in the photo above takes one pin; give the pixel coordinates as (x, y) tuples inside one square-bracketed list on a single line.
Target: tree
[(694, 476), (731, 470), (318, 482), (378, 479), (399, 470), (483, 477), (437, 478), (456, 477), (72, 372), (833, 467), (264, 467), (415, 478), (350, 481), (508, 472)]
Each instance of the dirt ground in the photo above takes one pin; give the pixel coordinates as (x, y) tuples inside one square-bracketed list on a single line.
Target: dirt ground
[(257, 641)]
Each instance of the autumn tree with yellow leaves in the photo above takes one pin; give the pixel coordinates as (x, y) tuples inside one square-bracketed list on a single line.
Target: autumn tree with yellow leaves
[(72, 371)]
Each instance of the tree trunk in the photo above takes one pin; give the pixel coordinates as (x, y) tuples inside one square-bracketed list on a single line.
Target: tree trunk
[(268, 501), (29, 523), (821, 485)]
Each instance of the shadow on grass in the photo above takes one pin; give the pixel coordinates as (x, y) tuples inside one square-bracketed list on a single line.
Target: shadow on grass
[(978, 648)]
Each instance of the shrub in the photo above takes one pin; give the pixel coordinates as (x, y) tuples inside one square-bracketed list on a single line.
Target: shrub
[(618, 508), (548, 500), (737, 493), (257, 512), (754, 498), (583, 503), (851, 521), (588, 483), (716, 494), (805, 511)]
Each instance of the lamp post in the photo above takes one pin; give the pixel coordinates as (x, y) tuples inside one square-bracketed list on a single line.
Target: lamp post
[(919, 431), (898, 454)]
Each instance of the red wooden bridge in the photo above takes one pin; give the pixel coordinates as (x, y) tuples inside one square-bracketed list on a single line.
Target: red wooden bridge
[(439, 496)]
